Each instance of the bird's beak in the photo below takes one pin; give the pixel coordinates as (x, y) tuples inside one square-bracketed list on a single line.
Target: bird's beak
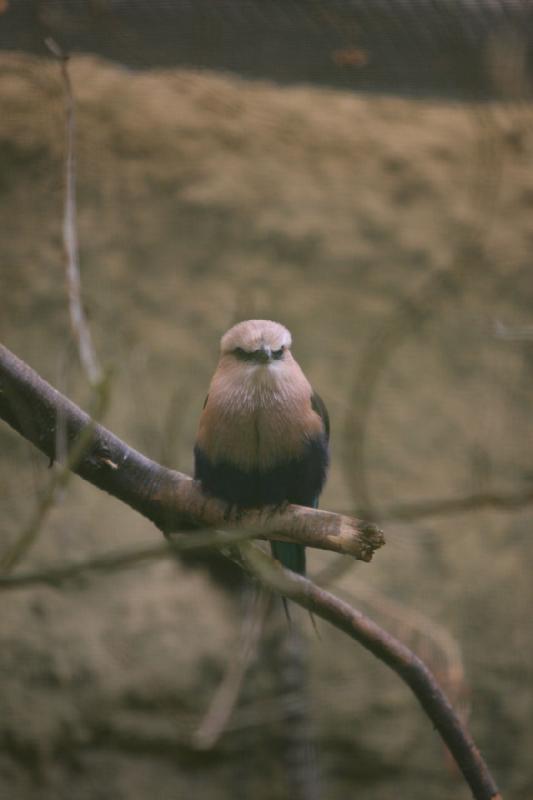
[(264, 355)]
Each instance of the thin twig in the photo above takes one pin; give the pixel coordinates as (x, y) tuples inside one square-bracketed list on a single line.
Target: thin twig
[(225, 699), (57, 574), (78, 320), (435, 507), (413, 312), (29, 534)]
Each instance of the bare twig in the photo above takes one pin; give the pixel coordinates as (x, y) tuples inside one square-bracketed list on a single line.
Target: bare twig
[(410, 316), (169, 499), (412, 313), (227, 694), (28, 536), (78, 320), (501, 501), (57, 574), (389, 650)]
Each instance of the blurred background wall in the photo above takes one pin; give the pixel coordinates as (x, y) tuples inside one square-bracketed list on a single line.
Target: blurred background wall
[(393, 237)]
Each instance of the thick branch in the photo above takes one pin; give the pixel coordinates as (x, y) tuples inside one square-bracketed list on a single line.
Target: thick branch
[(175, 502), (392, 652), (170, 499)]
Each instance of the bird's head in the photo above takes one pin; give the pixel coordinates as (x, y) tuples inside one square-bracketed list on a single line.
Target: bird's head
[(256, 342)]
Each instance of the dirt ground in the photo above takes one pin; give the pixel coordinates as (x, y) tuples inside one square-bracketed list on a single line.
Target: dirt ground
[(393, 237)]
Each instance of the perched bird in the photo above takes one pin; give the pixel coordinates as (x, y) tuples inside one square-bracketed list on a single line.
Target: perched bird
[(263, 433)]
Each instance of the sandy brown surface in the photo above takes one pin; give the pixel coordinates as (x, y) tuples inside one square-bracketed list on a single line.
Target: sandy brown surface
[(206, 199)]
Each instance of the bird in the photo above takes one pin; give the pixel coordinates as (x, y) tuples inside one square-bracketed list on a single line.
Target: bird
[(263, 434)]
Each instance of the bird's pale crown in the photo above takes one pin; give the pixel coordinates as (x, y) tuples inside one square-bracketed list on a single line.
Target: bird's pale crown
[(255, 334)]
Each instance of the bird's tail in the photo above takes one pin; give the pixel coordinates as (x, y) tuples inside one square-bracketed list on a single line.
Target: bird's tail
[(290, 555)]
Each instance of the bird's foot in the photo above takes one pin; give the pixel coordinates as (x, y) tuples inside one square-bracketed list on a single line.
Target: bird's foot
[(233, 513), (279, 508)]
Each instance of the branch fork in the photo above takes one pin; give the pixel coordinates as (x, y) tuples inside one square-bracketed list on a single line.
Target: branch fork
[(174, 502)]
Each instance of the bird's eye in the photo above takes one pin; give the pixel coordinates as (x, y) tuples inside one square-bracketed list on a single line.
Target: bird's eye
[(278, 353), (244, 355)]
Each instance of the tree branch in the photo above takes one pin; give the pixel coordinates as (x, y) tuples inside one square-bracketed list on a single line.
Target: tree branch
[(105, 563), (78, 320), (170, 499), (175, 502), (392, 652)]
